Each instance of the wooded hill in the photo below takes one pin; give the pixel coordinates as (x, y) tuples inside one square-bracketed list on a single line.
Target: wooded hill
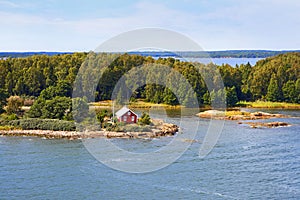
[(275, 78)]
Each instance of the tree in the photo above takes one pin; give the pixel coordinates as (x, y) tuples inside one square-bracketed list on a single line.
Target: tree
[(273, 93), (14, 105), (101, 115), (36, 109), (297, 90), (231, 96), (289, 92), (190, 100), (206, 98), (3, 99), (169, 97), (80, 109), (145, 119), (57, 108)]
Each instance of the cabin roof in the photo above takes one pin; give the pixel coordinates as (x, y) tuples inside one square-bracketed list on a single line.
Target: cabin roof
[(123, 111)]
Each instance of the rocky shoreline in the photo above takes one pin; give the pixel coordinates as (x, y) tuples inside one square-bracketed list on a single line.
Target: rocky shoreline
[(239, 115), (244, 116), (164, 129), (266, 124)]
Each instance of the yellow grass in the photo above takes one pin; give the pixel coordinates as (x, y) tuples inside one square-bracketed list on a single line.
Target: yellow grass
[(267, 104), (137, 104), (143, 104), (236, 112)]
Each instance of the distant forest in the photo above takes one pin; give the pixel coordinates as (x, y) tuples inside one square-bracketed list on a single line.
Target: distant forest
[(194, 54), (274, 79)]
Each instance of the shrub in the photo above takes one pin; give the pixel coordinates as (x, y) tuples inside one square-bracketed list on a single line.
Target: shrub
[(80, 109), (41, 124), (7, 128), (145, 119), (9, 117), (3, 97)]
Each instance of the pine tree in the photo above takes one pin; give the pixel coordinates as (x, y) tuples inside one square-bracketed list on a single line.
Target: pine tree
[(190, 100), (231, 96), (289, 92), (273, 93), (206, 98)]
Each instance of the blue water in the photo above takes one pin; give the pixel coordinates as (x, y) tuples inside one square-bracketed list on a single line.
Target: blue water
[(245, 164), (220, 61)]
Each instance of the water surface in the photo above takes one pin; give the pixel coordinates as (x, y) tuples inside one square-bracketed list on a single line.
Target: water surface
[(245, 164)]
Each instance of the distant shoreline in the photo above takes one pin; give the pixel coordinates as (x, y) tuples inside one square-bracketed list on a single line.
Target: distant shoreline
[(189, 54)]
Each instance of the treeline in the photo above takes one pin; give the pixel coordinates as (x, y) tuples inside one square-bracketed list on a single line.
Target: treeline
[(194, 54), (273, 79), (215, 54), (26, 54)]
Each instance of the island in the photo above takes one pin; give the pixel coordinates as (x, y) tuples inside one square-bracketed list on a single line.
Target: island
[(244, 117)]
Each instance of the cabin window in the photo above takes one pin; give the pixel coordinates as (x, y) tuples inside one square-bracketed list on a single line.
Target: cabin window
[(128, 113), (125, 118), (132, 118)]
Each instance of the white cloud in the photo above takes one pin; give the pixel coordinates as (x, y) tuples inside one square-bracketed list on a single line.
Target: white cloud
[(270, 24)]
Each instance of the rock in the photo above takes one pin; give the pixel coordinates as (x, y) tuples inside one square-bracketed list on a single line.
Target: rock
[(212, 114), (215, 114), (267, 124)]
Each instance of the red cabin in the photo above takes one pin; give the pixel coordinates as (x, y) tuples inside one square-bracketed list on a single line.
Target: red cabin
[(126, 115)]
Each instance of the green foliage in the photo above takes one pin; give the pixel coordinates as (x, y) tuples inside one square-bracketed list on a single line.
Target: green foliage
[(289, 92), (231, 96), (297, 90), (80, 109), (36, 109), (273, 90), (52, 76), (31, 75), (101, 115), (10, 117), (144, 119), (190, 100), (3, 99), (56, 108), (206, 98), (7, 128), (40, 124), (62, 89)]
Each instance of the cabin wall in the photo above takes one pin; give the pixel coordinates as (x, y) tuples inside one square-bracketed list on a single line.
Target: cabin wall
[(128, 117)]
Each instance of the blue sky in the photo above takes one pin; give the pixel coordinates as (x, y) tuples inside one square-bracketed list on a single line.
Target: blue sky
[(65, 25)]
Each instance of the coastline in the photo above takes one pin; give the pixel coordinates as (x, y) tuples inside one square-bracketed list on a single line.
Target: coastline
[(164, 130)]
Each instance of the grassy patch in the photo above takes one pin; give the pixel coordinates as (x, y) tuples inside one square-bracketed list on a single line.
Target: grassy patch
[(236, 112), (267, 104), (137, 104), (8, 128), (143, 104)]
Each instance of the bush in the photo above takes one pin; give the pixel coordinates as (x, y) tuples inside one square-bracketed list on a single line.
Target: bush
[(145, 119), (9, 117), (7, 128), (41, 124)]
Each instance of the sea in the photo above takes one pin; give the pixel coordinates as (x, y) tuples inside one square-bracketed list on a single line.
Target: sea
[(245, 163), (220, 61)]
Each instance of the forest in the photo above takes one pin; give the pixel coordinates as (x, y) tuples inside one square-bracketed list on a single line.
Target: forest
[(50, 80)]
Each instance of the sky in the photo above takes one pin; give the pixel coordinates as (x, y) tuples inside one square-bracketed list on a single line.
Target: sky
[(76, 25)]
